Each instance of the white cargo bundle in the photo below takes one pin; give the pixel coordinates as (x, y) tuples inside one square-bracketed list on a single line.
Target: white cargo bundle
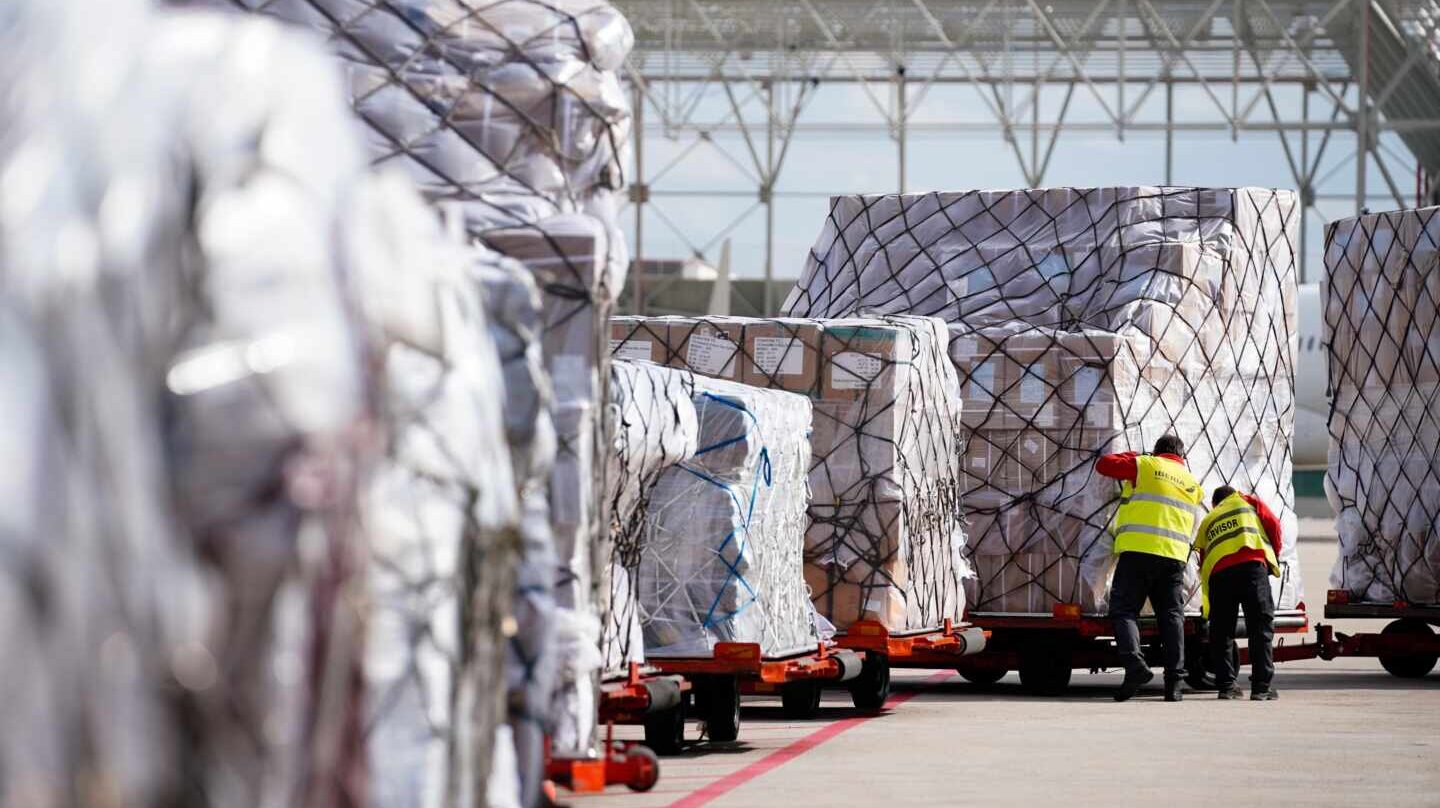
[(723, 542), (1382, 327), (1085, 321), (655, 428)]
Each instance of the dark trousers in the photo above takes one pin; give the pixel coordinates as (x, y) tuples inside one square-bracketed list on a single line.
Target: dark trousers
[(1141, 576), (1244, 586)]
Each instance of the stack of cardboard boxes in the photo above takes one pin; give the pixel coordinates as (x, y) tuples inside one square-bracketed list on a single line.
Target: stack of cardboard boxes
[(884, 537), (1084, 321)]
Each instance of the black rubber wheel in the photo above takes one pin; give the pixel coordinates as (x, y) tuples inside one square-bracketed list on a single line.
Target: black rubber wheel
[(649, 768), (871, 688), (800, 700), (719, 708), (984, 677), (1409, 666), (665, 730), (1045, 670)]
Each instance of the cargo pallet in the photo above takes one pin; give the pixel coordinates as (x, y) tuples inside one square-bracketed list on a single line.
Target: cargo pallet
[(934, 648), (629, 699), (734, 669), (1045, 649)]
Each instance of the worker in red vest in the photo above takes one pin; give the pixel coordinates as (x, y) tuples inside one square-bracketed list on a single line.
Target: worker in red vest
[(1239, 544), (1160, 507)]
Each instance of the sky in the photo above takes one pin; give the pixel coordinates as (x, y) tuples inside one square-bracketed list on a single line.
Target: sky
[(841, 159)]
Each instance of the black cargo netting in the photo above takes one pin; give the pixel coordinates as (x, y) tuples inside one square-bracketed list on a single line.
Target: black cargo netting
[(655, 428), (1084, 321), (1382, 326), (882, 535)]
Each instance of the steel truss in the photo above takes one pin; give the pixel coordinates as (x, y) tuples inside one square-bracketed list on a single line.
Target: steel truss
[(1365, 67)]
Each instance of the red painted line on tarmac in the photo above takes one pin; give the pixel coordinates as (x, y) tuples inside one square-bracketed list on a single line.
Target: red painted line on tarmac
[(705, 794)]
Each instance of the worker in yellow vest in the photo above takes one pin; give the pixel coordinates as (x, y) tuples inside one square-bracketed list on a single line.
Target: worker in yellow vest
[(1239, 543), (1160, 507)]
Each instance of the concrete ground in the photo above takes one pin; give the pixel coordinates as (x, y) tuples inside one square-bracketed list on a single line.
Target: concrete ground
[(1344, 733)]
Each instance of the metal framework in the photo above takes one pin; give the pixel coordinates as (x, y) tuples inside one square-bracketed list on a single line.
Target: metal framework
[(1369, 69)]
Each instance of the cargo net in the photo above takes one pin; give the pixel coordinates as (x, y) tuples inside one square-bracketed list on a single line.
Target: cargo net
[(1382, 326), (1084, 321), (883, 536), (721, 544), (510, 115), (655, 428)]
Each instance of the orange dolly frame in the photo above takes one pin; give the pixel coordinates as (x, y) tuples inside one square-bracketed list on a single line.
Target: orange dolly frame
[(735, 669), (936, 648), (1045, 649), (1407, 647), (636, 698)]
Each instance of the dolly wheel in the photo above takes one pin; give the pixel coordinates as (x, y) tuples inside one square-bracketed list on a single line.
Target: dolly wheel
[(1045, 671), (665, 730), (644, 768), (984, 677), (719, 707), (799, 700), (871, 688), (1408, 666)]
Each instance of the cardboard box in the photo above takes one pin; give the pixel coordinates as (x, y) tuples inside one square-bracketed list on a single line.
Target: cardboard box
[(709, 346), (640, 339), (783, 353)]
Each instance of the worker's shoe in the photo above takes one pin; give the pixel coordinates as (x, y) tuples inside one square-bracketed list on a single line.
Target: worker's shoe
[(1174, 690), (1231, 693), (1134, 680), (1265, 695)]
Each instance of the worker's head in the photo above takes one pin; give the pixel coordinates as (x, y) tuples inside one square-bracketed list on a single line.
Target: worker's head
[(1220, 494), (1171, 445)]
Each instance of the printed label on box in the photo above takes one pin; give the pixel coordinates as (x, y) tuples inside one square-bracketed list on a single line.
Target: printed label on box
[(633, 350), (852, 370), (1086, 381), (712, 356), (779, 356), (1033, 389), (982, 381)]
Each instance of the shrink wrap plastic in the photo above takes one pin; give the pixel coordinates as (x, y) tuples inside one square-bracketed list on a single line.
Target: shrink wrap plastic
[(655, 428), (511, 112), (185, 352), (1085, 321), (723, 540), (1383, 333), (884, 534)]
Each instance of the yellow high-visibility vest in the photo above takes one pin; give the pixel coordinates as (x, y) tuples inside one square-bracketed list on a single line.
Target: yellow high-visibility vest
[(1157, 514), (1233, 526)]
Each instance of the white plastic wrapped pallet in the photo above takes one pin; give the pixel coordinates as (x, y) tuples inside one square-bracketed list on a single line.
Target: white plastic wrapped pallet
[(1383, 335), (655, 427), (513, 313), (197, 251), (723, 544), (1085, 321)]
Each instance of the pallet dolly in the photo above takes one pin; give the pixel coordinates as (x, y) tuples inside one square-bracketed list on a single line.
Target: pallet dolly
[(734, 669), (632, 699), (1045, 649), (1407, 647), (934, 648)]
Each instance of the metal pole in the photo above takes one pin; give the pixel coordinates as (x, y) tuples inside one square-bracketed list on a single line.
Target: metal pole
[(903, 113), (768, 192), (639, 192), (1304, 179), (1362, 123), (1169, 133)]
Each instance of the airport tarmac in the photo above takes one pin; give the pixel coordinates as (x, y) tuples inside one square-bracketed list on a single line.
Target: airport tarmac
[(1343, 733)]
